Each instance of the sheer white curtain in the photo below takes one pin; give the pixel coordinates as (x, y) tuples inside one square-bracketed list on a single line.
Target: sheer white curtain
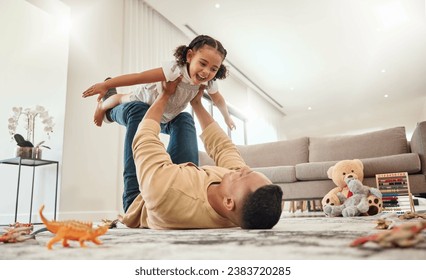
[(149, 38)]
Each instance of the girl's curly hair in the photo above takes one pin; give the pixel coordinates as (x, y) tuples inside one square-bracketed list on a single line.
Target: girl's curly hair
[(197, 43)]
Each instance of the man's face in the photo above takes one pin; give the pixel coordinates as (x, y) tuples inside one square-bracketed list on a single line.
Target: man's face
[(239, 184)]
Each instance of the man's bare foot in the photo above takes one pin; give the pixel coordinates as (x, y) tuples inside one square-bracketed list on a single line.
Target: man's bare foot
[(99, 114)]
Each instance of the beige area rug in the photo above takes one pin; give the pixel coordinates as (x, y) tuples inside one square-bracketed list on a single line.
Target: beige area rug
[(295, 237)]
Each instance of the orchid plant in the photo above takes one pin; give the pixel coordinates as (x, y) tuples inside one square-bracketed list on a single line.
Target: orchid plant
[(29, 115)]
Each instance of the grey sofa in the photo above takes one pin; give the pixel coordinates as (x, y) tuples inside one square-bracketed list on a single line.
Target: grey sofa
[(300, 165)]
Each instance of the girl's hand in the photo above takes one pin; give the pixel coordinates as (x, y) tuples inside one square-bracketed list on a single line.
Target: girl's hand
[(230, 123), (99, 88)]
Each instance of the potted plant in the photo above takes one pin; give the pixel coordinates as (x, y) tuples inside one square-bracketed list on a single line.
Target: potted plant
[(25, 147)]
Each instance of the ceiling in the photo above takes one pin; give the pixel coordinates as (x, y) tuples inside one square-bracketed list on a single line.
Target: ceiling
[(316, 55)]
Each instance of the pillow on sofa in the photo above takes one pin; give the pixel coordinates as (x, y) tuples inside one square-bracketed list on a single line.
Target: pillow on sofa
[(279, 153), (380, 143)]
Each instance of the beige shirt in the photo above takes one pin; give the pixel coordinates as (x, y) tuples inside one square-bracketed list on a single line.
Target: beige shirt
[(174, 196)]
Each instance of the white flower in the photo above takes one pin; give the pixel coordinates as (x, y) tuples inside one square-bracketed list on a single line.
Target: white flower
[(29, 115), (39, 109), (17, 110)]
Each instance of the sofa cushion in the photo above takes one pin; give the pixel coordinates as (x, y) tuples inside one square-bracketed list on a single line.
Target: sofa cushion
[(380, 143), (418, 143), (408, 162), (397, 163), (205, 159), (278, 174), (279, 153), (313, 170)]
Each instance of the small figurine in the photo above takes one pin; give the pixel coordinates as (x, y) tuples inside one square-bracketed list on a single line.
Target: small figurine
[(405, 235), (72, 230), (17, 232)]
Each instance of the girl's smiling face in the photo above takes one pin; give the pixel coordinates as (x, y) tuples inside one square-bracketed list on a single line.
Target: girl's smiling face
[(203, 64)]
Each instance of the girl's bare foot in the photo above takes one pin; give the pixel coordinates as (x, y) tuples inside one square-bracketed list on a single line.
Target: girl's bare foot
[(99, 114)]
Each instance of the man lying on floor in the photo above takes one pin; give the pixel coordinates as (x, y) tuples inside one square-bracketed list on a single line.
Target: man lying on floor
[(184, 196)]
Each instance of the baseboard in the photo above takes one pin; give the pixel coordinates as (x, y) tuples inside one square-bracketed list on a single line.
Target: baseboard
[(89, 216)]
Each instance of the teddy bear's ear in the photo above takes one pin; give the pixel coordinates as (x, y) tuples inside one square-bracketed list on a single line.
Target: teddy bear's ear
[(330, 172), (359, 162)]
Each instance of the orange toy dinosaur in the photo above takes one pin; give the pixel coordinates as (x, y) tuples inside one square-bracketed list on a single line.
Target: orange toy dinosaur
[(72, 230)]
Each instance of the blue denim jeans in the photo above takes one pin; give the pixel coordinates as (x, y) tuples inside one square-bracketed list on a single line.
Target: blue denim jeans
[(182, 145)]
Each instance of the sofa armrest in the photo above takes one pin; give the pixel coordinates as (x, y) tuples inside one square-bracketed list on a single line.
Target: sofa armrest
[(418, 143)]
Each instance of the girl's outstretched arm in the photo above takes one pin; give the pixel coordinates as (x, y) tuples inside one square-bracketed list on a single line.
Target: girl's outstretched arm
[(145, 77), (219, 101)]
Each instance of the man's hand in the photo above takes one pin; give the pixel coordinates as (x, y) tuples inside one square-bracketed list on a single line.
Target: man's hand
[(99, 88), (169, 88), (156, 110), (197, 99)]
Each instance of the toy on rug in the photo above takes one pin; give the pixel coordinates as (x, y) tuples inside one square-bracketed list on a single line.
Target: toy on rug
[(404, 235), (110, 223), (17, 232), (72, 230), (348, 175), (410, 215), (392, 219), (356, 204)]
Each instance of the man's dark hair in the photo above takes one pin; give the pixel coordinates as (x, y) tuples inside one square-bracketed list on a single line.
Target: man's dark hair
[(262, 208)]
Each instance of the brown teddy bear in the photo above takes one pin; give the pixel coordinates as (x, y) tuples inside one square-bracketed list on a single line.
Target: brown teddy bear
[(342, 173)]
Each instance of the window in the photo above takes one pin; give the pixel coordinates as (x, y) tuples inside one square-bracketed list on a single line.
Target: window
[(238, 135)]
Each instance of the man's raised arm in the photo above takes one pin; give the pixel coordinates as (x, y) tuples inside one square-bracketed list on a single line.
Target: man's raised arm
[(202, 115), (218, 145)]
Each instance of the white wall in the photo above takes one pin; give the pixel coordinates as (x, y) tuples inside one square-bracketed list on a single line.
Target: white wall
[(355, 119), (423, 113), (92, 167), (34, 61)]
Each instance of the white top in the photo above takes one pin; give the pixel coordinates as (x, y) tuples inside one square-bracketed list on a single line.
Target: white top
[(185, 90)]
